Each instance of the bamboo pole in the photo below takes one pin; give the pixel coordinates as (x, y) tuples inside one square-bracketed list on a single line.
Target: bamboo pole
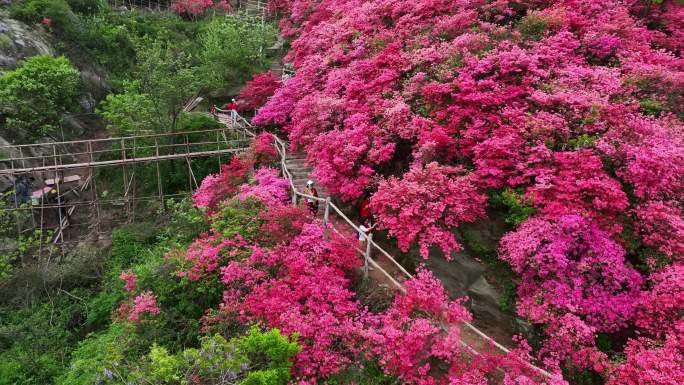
[(159, 182), (93, 190), (59, 208)]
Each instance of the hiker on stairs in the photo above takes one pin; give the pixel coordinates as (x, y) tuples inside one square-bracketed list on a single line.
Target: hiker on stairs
[(311, 203)]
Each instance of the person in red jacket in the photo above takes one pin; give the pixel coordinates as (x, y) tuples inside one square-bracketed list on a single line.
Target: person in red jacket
[(232, 107), (364, 209)]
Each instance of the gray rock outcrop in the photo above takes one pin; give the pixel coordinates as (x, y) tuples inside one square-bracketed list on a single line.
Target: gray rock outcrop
[(19, 41)]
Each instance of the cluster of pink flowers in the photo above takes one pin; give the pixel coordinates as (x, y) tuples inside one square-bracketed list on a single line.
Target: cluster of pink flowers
[(660, 308), (421, 331), (215, 188), (264, 149), (144, 303), (207, 253), (426, 205), (572, 276), (652, 363), (257, 91), (300, 287), (198, 7), (130, 280), (269, 188), (134, 308), (576, 104)]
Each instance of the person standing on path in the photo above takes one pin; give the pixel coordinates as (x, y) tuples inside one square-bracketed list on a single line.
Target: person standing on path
[(311, 203), (232, 107), (365, 229), (364, 209)]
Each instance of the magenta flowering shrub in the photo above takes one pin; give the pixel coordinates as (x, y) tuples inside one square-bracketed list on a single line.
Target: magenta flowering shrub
[(257, 91), (198, 7), (577, 105), (270, 188), (139, 308), (295, 275), (418, 339), (301, 287), (263, 149), (541, 96), (660, 308), (282, 223), (207, 253), (574, 277), (578, 185), (652, 363), (426, 205), (420, 331), (130, 280), (144, 303), (662, 227), (217, 187)]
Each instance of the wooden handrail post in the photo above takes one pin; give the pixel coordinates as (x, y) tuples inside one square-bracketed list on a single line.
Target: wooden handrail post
[(367, 256), (326, 213)]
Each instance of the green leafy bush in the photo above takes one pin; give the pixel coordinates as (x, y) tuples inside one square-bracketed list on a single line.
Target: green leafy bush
[(532, 27), (517, 207), (196, 121), (87, 7), (100, 357), (35, 341), (62, 20), (130, 112), (239, 217), (258, 358), (34, 97), (233, 48)]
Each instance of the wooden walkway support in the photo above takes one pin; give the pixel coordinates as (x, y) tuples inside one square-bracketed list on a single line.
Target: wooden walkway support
[(75, 175)]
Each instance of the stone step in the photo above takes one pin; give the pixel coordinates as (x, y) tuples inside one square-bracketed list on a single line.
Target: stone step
[(295, 158), (295, 167), (300, 172), (301, 164), (302, 182)]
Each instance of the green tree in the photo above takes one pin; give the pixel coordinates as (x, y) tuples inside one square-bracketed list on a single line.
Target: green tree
[(35, 96), (233, 48), (131, 112), (169, 75)]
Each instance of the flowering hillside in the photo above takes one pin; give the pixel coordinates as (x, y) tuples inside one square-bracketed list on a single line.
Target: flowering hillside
[(573, 108), (280, 268)]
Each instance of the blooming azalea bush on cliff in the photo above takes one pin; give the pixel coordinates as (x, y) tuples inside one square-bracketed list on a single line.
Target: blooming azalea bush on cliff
[(217, 187), (577, 106), (142, 305), (196, 8), (257, 91), (264, 150), (426, 205)]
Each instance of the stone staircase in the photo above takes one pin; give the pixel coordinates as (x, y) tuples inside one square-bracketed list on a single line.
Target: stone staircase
[(301, 172)]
